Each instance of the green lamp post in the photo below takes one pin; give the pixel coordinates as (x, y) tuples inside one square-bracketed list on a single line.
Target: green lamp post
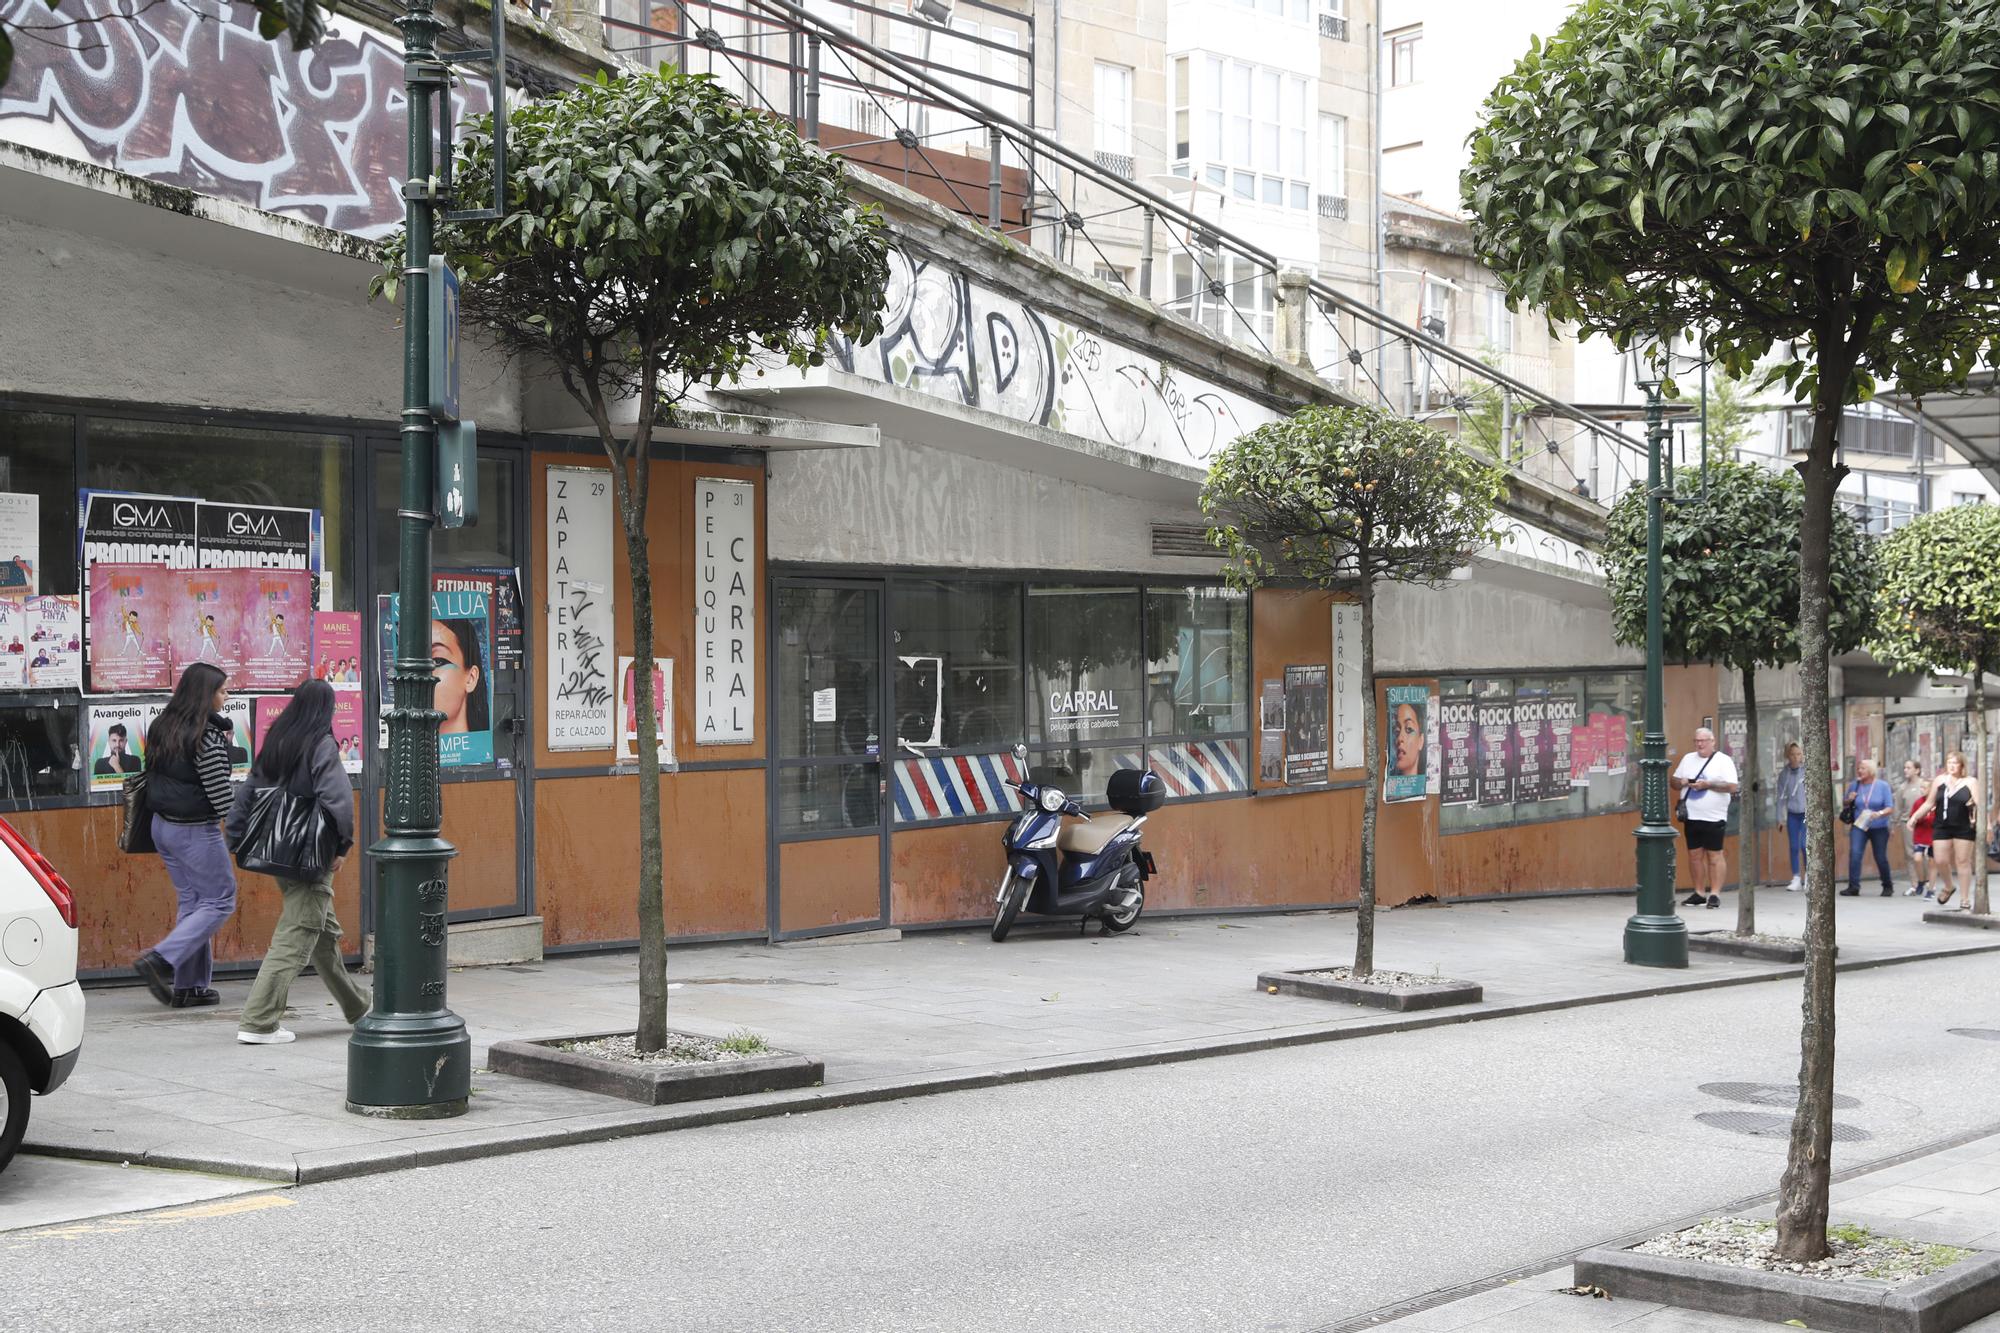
[(410, 1057), (1655, 936)]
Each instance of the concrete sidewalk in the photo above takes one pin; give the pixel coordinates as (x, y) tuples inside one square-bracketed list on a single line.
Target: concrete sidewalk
[(930, 1013), (1950, 1197)]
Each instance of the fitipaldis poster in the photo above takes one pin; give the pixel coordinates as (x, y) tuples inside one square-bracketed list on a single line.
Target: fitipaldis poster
[(275, 612)]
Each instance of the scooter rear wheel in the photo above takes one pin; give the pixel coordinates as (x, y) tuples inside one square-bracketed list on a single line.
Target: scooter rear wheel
[(1013, 895), (1117, 923)]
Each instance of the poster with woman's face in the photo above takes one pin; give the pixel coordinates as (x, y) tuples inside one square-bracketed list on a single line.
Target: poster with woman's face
[(1406, 758)]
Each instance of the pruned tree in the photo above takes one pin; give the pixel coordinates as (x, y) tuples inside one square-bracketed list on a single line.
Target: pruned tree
[(1810, 183), (1729, 593), (657, 236), (1939, 610), (1347, 499)]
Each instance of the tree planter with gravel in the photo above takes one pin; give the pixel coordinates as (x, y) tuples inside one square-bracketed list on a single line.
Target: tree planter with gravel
[(687, 1067), (1380, 989)]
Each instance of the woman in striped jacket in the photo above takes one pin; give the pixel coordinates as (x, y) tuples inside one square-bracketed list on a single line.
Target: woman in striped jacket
[(187, 784)]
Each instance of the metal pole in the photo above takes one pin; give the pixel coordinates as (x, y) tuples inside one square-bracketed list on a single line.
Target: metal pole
[(410, 1057), (1146, 258), (993, 176), (812, 87), (1655, 936)]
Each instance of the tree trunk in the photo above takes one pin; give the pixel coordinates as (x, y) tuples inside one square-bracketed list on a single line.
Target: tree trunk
[(1802, 1191), (1979, 820), (1364, 920), (1750, 863)]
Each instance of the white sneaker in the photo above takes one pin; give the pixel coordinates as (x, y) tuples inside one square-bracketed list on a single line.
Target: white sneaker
[(1796, 886), (1912, 891), (275, 1037)]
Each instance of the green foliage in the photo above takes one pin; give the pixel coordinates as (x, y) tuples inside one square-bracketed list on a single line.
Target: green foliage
[(1730, 416), (305, 20), (655, 227), (743, 1042), (1729, 570), (1938, 608), (1765, 171), (1319, 494)]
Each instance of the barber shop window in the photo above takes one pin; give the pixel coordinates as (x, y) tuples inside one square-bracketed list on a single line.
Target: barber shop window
[(956, 655), (1197, 661), (1086, 682)]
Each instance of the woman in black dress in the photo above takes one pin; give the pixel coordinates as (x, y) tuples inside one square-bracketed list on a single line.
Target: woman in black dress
[(1953, 797)]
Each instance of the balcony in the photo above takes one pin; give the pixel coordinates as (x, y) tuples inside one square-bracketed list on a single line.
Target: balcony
[(1333, 205), (1333, 27), (1118, 164)]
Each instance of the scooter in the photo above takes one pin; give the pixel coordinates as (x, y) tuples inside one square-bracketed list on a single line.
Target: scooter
[(1094, 869)]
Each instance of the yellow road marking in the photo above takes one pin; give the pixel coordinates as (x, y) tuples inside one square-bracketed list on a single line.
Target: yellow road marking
[(250, 1203)]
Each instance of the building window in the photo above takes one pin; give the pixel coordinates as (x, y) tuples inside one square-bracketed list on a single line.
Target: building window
[(1333, 156), (1435, 316), (1402, 61), (1244, 308), (957, 648), (1499, 321), (1402, 170), (1242, 128), (1113, 122), (1197, 661), (1967, 498), (38, 727)]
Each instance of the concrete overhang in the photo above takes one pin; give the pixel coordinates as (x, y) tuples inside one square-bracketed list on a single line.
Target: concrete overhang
[(829, 394), (66, 195), (739, 430), (1968, 420)]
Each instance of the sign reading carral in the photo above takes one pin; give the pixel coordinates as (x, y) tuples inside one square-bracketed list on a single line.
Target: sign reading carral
[(725, 658)]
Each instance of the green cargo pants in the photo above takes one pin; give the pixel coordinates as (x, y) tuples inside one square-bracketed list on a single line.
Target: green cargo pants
[(307, 932)]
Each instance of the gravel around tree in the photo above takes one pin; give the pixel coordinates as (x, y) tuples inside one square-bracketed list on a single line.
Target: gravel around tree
[(1856, 1253)]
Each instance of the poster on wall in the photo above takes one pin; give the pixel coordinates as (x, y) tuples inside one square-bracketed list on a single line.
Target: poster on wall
[(125, 528), (1562, 773), (265, 709), (1493, 751), (663, 709), (131, 611), (350, 725), (204, 620), (1347, 740), (510, 651), (1406, 758), (725, 658), (460, 630), (118, 739), (1617, 742), (20, 541), (1305, 725), (240, 710), (55, 642), (1271, 706), (1583, 756), (233, 536), (579, 609), (274, 611), (337, 647), (13, 643), (1531, 758), (1270, 757), (1456, 779)]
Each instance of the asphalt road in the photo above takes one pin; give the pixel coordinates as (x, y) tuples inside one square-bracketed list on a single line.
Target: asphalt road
[(1282, 1191)]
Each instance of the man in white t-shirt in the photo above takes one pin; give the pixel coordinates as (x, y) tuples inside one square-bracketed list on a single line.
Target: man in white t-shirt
[(1706, 777)]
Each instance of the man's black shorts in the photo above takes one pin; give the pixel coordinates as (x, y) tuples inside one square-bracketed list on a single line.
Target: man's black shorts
[(1705, 835)]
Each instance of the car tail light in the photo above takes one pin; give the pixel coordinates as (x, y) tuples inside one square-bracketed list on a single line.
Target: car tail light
[(45, 874)]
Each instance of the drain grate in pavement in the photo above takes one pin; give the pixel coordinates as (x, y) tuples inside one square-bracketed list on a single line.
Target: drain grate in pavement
[(1764, 1125), (1770, 1094), (1981, 1034)]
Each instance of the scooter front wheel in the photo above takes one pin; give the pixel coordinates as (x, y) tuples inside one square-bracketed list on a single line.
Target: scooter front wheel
[(1007, 905)]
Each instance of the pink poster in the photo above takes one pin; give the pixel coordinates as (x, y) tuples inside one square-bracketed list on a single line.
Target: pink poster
[(276, 616), (350, 725), (1600, 751), (202, 624), (264, 711), (55, 642), (337, 647), (131, 611), (1583, 752), (1616, 742)]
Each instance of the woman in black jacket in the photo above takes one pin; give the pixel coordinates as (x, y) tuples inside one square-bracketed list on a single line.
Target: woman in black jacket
[(187, 785), (301, 755)]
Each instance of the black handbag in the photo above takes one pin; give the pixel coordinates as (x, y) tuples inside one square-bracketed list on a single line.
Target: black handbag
[(1847, 811), (135, 832), (287, 835)]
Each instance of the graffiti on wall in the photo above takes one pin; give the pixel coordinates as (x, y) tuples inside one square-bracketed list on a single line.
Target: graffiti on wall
[(947, 337), (193, 97)]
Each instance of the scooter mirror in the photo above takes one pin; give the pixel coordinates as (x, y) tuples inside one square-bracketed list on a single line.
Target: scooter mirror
[(1021, 753)]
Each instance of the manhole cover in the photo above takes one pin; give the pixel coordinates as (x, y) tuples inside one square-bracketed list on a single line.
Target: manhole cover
[(1982, 1034), (1770, 1094), (1764, 1125)]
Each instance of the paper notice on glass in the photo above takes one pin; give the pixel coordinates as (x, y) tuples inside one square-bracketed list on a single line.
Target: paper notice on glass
[(823, 704)]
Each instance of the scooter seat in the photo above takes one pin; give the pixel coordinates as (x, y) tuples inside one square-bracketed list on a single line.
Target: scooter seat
[(1089, 837)]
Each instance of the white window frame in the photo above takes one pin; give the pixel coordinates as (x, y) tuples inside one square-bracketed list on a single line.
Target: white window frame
[(1403, 68), (1499, 321), (1333, 154), (1246, 128), (1111, 119)]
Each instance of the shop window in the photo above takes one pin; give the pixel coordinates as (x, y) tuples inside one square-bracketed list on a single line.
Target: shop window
[(956, 655), (1082, 772), (1611, 712), (1547, 789), (1511, 762), (38, 746), (38, 458), (828, 798), (829, 679), (1197, 661), (1085, 682), (234, 465), (489, 544)]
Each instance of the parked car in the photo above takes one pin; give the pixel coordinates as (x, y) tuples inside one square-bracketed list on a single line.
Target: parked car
[(41, 1005)]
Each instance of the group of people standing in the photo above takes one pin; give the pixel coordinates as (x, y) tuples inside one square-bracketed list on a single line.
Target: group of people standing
[(197, 817), (1935, 815)]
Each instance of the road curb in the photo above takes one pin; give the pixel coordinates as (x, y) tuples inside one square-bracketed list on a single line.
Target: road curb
[(322, 1165)]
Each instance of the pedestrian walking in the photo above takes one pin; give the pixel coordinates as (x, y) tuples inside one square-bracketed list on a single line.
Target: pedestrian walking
[(1908, 798), (187, 786), (1706, 778), (300, 756), (1792, 800), (1951, 799), (1869, 807)]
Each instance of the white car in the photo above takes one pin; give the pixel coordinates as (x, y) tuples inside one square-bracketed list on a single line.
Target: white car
[(41, 1005)]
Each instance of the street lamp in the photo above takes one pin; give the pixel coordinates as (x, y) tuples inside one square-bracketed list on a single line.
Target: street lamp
[(1655, 936)]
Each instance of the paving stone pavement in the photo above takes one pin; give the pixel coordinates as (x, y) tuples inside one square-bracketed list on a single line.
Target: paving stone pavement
[(1950, 1197), (932, 1011)]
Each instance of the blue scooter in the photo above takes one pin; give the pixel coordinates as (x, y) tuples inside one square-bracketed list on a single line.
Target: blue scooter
[(1091, 869)]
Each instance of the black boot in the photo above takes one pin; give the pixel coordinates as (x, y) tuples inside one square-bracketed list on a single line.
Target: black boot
[(158, 976)]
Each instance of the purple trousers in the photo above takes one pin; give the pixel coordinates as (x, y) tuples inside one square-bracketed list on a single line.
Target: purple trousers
[(205, 881)]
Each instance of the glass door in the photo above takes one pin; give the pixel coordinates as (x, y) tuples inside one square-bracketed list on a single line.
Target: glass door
[(830, 860)]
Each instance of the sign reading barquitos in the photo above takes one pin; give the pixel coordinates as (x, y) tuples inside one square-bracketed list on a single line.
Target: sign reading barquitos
[(725, 665)]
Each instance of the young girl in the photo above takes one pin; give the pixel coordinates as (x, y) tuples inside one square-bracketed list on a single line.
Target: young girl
[(1910, 797)]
